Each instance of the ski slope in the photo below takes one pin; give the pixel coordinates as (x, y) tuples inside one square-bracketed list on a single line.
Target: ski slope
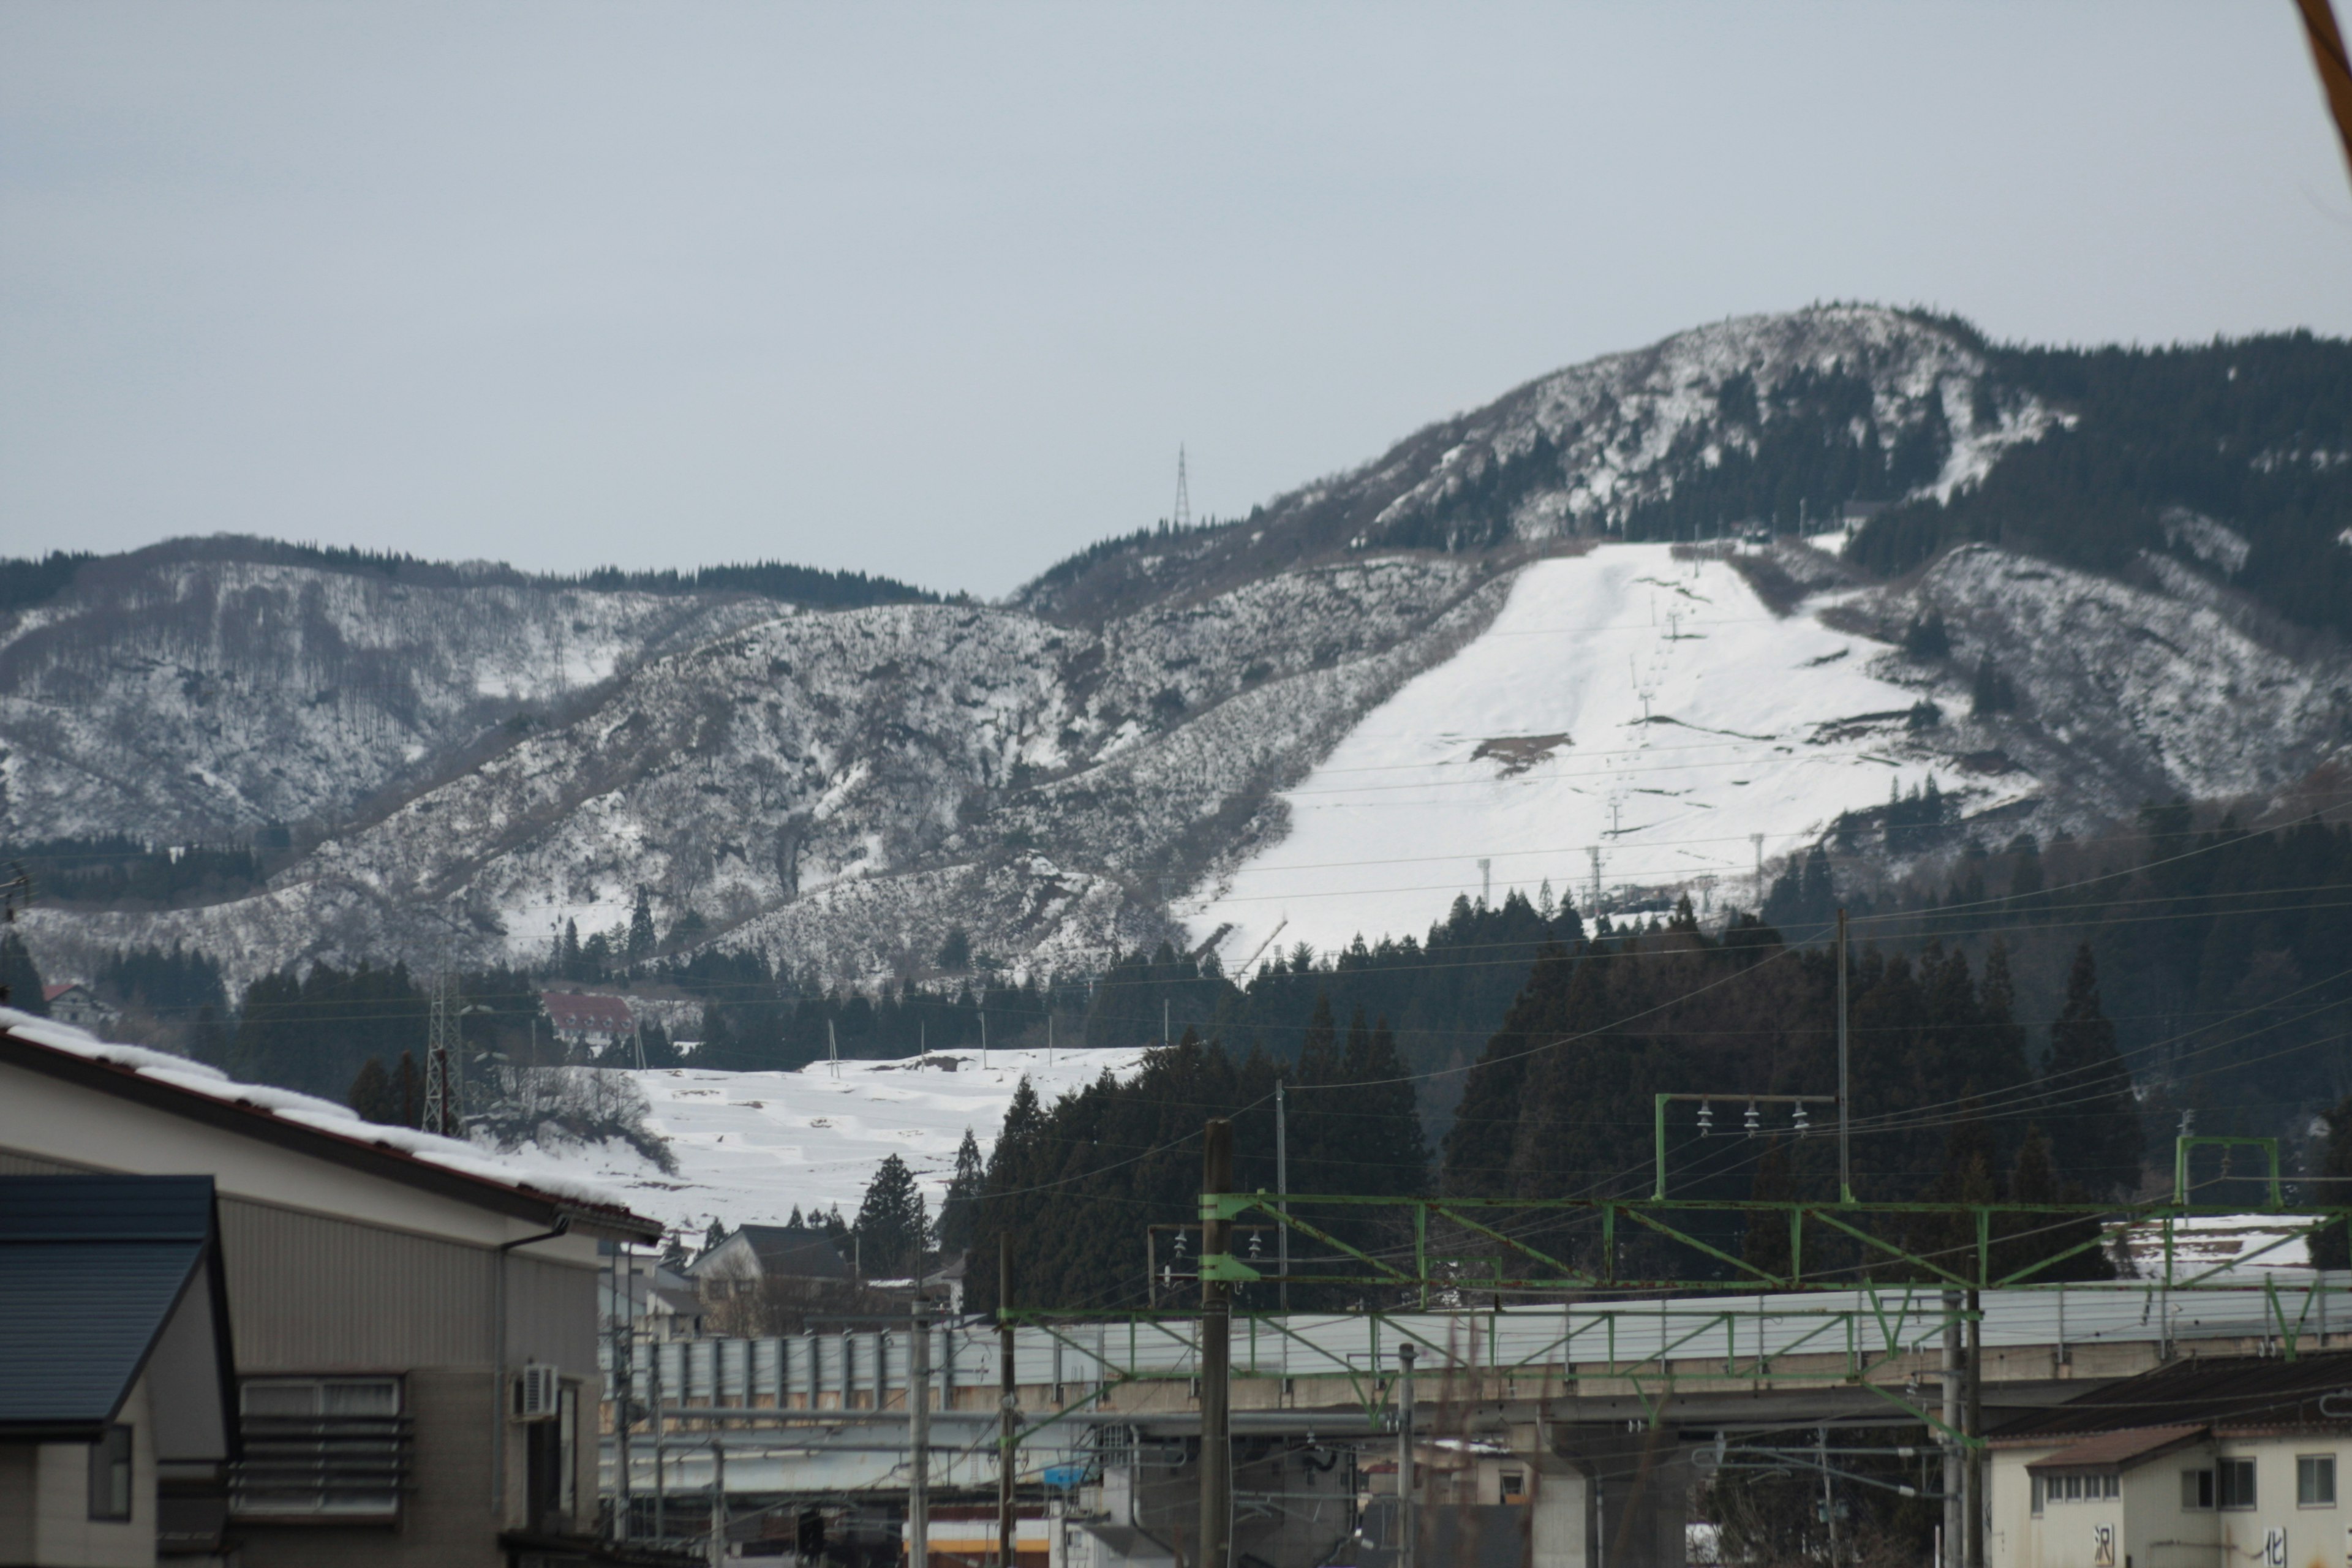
[(1654, 710), (753, 1146)]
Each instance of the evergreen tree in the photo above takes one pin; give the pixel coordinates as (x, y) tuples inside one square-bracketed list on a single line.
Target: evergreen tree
[(1949, 1240), (20, 983), (1992, 692), (410, 1088), (714, 1236), (889, 1225), (1926, 638), (641, 926), (673, 1253), (2094, 1117), (957, 1218), (2027, 1238), (1766, 1245), (207, 1041), (374, 1095), (2330, 1249)]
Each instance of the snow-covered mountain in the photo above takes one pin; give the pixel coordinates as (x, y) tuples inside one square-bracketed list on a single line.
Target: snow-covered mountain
[(1325, 715)]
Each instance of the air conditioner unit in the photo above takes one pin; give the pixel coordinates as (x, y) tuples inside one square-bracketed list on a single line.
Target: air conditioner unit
[(542, 1394)]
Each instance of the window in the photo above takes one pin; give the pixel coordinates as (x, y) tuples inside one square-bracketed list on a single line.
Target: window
[(2314, 1481), (2234, 1482), (1513, 1486), (2038, 1484), (322, 1444), (2074, 1489), (2196, 1488), (109, 1476), (2115, 1484)]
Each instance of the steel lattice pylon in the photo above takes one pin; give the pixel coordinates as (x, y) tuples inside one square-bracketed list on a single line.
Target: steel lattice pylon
[(445, 1076)]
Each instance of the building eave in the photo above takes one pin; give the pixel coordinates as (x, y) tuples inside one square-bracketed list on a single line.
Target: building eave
[(369, 1157)]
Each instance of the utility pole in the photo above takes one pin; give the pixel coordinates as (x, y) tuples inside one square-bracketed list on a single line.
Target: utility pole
[(832, 1048), (1282, 1188), (661, 1460), (623, 1386), (717, 1501), (1216, 1353), (1486, 883), (1163, 1021), (1954, 1510), (983, 1035), (1828, 1499), (919, 1439), (1975, 1461), (1757, 840), (1407, 1527), (1845, 1100), (1007, 1529), (1594, 850)]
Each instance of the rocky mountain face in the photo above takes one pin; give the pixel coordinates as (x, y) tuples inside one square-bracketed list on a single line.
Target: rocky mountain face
[(461, 767)]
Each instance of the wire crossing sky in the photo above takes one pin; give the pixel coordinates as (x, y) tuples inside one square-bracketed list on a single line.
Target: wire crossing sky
[(936, 292)]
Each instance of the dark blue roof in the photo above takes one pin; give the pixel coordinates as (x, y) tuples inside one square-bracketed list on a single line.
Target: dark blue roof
[(91, 1267)]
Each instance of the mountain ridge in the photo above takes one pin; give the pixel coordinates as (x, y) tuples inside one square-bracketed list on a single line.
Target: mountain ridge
[(1066, 772)]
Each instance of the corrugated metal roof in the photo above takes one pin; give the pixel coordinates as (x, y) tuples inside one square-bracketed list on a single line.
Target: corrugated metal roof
[(2221, 1391), (2119, 1449), (91, 1267)]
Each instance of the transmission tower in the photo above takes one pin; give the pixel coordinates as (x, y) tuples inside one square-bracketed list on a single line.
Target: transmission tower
[(1181, 519), (445, 1077)]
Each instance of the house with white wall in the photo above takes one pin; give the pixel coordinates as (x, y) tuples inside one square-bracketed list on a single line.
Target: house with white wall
[(2205, 1463)]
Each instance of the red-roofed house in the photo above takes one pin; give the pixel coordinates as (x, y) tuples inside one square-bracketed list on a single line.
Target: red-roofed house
[(588, 1018), (415, 1324)]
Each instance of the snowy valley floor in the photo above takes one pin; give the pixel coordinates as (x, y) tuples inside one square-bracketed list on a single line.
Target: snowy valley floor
[(753, 1146)]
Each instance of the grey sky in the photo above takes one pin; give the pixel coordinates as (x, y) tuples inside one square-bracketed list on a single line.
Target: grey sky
[(937, 292)]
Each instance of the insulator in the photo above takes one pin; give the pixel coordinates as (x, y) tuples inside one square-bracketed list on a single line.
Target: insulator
[(1706, 1118), (1755, 1119), (1258, 1244), (1180, 1246), (1803, 1123)]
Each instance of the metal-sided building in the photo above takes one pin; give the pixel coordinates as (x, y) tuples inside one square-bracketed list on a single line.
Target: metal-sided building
[(415, 1333), (116, 1380)]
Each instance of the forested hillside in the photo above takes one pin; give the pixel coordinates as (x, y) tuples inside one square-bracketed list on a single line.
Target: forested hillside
[(2254, 434), (2036, 1030)]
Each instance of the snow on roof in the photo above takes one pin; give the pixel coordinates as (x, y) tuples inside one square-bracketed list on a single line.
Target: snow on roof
[(543, 1179), (588, 1012)]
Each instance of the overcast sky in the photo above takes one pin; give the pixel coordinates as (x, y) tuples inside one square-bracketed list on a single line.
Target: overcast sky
[(936, 292)]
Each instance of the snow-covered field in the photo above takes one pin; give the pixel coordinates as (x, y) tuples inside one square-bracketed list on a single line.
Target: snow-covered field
[(753, 1146), (1653, 708)]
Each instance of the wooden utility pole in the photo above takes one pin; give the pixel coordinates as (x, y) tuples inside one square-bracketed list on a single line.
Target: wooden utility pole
[(1009, 1414), (1216, 1354)]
